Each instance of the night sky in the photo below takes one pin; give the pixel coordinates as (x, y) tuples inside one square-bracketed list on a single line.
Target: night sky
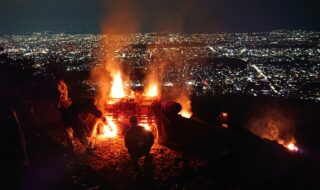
[(127, 16)]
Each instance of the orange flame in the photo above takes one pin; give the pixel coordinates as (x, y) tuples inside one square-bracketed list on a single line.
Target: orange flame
[(146, 126), (186, 107), (143, 122), (64, 99), (107, 130), (290, 145), (117, 89), (275, 127), (185, 113), (110, 129), (152, 91)]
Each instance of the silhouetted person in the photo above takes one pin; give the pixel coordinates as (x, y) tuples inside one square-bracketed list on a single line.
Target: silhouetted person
[(138, 141), (72, 113)]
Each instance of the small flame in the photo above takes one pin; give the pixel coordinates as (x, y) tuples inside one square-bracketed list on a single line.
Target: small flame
[(146, 126), (185, 113), (224, 115), (107, 130), (223, 118), (275, 128), (64, 99), (110, 129), (152, 91), (117, 89), (225, 126), (292, 147), (186, 107)]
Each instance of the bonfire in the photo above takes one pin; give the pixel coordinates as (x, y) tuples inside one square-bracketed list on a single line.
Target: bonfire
[(120, 106)]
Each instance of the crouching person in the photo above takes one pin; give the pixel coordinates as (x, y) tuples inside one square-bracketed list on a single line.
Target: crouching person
[(73, 115), (138, 141), (79, 112)]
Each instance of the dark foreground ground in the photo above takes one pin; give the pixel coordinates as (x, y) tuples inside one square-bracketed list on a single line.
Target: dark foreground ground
[(255, 164)]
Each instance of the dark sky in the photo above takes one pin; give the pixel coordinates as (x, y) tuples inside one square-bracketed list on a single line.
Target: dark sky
[(189, 16)]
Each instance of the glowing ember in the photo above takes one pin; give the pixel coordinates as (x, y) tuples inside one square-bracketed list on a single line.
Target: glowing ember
[(225, 126), (152, 91), (117, 90), (223, 118), (224, 115)]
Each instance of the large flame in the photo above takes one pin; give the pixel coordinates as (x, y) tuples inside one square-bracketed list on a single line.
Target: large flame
[(117, 89)]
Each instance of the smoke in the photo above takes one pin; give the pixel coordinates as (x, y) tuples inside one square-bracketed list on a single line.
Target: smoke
[(132, 16), (100, 77), (174, 15), (273, 124), (121, 17), (125, 18)]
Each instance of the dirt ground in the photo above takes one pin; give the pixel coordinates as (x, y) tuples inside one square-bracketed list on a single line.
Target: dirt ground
[(165, 169)]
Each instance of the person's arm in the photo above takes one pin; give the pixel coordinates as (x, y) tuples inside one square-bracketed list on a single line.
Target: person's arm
[(96, 112)]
